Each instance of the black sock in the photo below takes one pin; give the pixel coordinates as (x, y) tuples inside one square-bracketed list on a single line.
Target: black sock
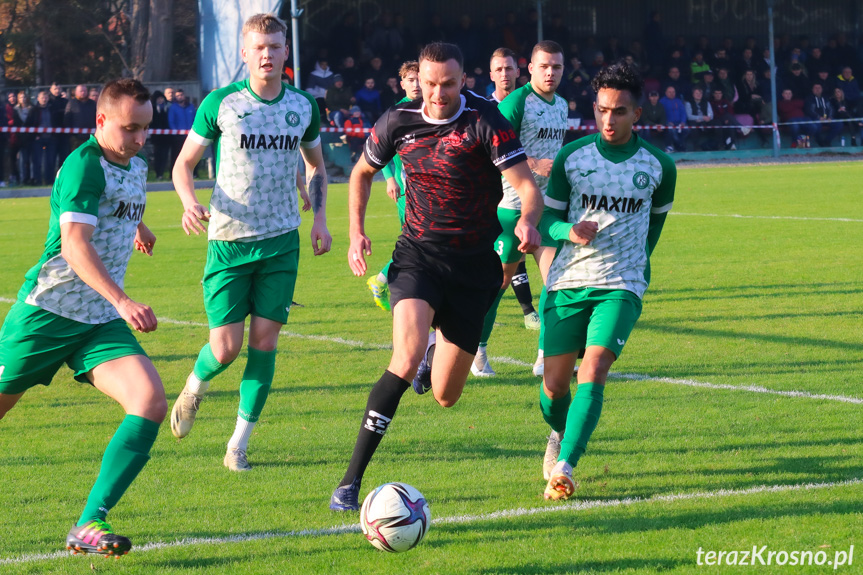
[(521, 287), (381, 407)]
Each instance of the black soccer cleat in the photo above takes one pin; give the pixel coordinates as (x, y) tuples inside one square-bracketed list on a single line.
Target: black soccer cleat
[(97, 537)]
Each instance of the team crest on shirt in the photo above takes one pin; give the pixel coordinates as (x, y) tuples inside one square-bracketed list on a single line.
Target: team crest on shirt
[(293, 119), (641, 180), (455, 139)]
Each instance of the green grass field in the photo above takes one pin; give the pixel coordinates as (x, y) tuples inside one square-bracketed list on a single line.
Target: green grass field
[(732, 420)]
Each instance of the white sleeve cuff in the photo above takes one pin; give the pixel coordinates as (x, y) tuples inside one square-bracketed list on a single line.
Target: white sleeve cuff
[(555, 204), (199, 139), (78, 218), (311, 144), (662, 209)]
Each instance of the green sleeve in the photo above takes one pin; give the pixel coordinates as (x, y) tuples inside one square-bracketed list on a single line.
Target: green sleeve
[(389, 170), (80, 185), (512, 108), (663, 198), (553, 223), (206, 122)]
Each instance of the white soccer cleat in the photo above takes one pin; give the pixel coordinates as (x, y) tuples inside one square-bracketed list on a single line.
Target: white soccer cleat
[(184, 411), (236, 460), (480, 366), (552, 452), (560, 485), (532, 321)]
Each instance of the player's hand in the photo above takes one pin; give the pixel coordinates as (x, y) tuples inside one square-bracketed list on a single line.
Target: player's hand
[(322, 241), (361, 246), (583, 232), (191, 217), (529, 236), (542, 167), (138, 315), (307, 202), (144, 240), (393, 189)]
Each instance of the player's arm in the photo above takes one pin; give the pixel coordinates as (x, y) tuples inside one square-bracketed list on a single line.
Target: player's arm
[(144, 239), (393, 189), (521, 179), (554, 222), (316, 176), (301, 188), (359, 190), (81, 256), (184, 183), (663, 199)]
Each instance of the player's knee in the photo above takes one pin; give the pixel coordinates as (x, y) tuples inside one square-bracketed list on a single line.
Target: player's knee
[(225, 353), (444, 401)]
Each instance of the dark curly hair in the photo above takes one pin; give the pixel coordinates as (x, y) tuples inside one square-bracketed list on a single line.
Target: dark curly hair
[(619, 76)]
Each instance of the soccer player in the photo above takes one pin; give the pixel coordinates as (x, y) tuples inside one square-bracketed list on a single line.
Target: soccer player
[(538, 116), (72, 308), (454, 147), (261, 127), (606, 202), (504, 71), (394, 175)]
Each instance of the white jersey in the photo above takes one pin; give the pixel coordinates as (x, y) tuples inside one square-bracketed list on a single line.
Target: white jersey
[(257, 155), (540, 125), (620, 188)]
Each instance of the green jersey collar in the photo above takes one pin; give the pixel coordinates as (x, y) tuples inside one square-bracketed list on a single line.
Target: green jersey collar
[(618, 154), (248, 87)]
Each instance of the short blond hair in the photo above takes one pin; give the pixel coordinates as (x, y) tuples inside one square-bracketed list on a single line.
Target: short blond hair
[(264, 24), (408, 67)]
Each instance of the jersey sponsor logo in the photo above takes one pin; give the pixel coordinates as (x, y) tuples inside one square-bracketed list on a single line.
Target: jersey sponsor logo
[(641, 180), (503, 137), (611, 204), (455, 139), (267, 142), (551, 133), (130, 211), (241, 116), (376, 422), (587, 173), (293, 119), (506, 157)]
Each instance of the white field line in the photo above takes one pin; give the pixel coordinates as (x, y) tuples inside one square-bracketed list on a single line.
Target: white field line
[(518, 362), (801, 218), (463, 519)]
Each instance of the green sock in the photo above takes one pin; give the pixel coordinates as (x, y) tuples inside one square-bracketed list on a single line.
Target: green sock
[(554, 411), (581, 420), (543, 295), (255, 387), (207, 366), (126, 454), (386, 269), (490, 316)]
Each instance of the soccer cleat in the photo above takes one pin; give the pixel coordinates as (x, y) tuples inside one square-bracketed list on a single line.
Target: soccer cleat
[(539, 366), (422, 381), (97, 537), (380, 293), (560, 485), (346, 497), (184, 411), (236, 460), (480, 366), (531, 320), (552, 452)]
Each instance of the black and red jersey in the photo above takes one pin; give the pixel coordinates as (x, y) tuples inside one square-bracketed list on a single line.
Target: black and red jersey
[(452, 170)]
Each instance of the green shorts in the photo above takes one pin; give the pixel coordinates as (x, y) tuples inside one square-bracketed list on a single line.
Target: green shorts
[(506, 244), (401, 205), (257, 278), (35, 343), (575, 319)]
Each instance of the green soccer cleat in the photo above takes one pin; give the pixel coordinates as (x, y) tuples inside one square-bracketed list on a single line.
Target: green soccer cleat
[(380, 293), (97, 537)]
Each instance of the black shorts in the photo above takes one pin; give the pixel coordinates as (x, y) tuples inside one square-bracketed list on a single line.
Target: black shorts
[(459, 288)]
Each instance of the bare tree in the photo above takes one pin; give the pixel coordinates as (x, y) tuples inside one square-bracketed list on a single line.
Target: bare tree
[(152, 36)]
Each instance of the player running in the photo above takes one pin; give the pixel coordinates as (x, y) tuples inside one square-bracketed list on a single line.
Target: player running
[(538, 116), (72, 308), (504, 71), (445, 273), (606, 202), (260, 126), (394, 175)]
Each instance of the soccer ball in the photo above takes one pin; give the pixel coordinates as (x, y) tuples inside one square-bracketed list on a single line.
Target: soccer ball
[(395, 517)]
